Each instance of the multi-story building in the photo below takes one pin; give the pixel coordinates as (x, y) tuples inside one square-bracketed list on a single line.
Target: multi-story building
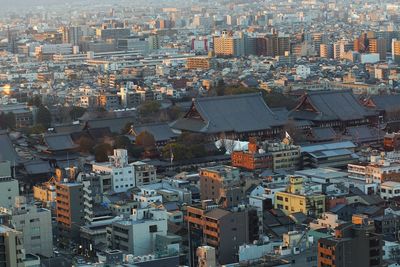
[(326, 50), (229, 45), (137, 235), (354, 244), (219, 228), (389, 190), (35, 225), (222, 185), (11, 247), (69, 210), (9, 188), (144, 173), (396, 51), (108, 101), (71, 34), (391, 141), (251, 159), (382, 171), (285, 156), (298, 198), (203, 63), (122, 173), (378, 45)]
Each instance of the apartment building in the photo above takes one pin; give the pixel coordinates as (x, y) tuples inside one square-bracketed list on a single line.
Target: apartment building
[(299, 198), (354, 244)]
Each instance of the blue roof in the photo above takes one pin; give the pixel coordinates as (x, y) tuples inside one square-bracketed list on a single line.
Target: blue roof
[(328, 146)]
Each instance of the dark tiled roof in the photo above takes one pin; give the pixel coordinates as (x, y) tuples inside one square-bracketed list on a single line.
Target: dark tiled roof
[(333, 105), (114, 124), (323, 134), (37, 167), (160, 131), (386, 102), (236, 113), (7, 151), (364, 133), (59, 142)]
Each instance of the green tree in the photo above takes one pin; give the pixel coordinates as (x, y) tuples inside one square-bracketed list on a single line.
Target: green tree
[(43, 116), (35, 101), (86, 144), (37, 129), (7, 121), (179, 152), (145, 140), (77, 112), (102, 151), (149, 108), (124, 143)]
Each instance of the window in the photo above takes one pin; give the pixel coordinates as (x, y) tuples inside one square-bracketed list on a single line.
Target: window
[(279, 198), (153, 228)]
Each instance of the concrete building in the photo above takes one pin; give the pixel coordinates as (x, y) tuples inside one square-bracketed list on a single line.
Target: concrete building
[(378, 45), (137, 235), (122, 173), (9, 188), (229, 45), (221, 184), (203, 63), (389, 190), (145, 173), (354, 244), (326, 51), (285, 156), (297, 198), (396, 51), (69, 210), (35, 225), (251, 159), (11, 247), (222, 229)]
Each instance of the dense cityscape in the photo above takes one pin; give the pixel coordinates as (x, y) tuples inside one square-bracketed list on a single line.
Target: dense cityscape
[(200, 133)]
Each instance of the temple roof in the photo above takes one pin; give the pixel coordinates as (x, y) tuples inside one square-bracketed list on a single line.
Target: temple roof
[(330, 106), (233, 113)]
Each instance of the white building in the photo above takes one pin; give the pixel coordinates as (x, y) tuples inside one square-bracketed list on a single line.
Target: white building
[(122, 174), (327, 220), (9, 188), (389, 190), (35, 225), (137, 235), (146, 197), (303, 71)]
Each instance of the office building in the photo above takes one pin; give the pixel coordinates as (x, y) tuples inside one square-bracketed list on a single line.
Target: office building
[(221, 184), (137, 235), (354, 244), (9, 188), (326, 51), (35, 225), (122, 173), (11, 247), (145, 173), (378, 46), (221, 229), (299, 198), (396, 51), (69, 210)]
